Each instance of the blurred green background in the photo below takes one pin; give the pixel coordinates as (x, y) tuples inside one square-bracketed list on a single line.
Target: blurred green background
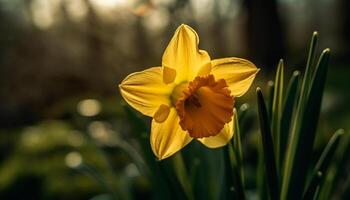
[(61, 61)]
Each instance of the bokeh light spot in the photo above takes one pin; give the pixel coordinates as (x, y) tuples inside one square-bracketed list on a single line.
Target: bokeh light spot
[(76, 9), (73, 159), (89, 107), (43, 12)]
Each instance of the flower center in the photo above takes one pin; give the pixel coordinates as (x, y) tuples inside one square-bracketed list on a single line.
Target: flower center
[(203, 105)]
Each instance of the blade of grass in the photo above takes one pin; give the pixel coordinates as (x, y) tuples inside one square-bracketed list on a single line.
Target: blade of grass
[(304, 131), (267, 144), (288, 110), (277, 112)]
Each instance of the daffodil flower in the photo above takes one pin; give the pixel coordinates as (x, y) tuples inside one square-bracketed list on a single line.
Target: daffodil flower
[(190, 96)]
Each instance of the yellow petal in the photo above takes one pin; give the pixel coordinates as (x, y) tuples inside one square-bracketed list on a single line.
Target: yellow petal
[(238, 73), (146, 92), (221, 139), (183, 55), (167, 138)]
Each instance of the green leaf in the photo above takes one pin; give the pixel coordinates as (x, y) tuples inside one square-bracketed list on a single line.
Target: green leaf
[(267, 143), (310, 60), (277, 112), (304, 131), (288, 110), (291, 183)]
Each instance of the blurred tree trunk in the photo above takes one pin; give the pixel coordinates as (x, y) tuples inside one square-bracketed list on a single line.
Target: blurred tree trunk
[(144, 55), (95, 62), (218, 33), (264, 33), (345, 15), (175, 21)]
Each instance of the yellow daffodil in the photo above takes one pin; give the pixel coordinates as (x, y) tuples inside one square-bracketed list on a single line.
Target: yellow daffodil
[(190, 96)]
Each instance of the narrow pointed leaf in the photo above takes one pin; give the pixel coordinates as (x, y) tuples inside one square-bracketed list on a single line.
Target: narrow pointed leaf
[(267, 144), (277, 112), (303, 132), (295, 133), (288, 110), (310, 60)]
